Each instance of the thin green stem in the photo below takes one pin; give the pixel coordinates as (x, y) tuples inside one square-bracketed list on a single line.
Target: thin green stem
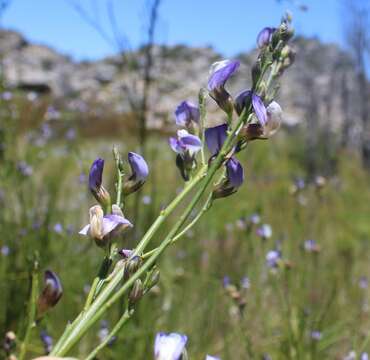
[(32, 310), (120, 174), (126, 315)]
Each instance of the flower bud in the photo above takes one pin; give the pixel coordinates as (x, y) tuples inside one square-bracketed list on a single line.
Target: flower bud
[(51, 293), (139, 173), (136, 292), (95, 183), (132, 266), (96, 222)]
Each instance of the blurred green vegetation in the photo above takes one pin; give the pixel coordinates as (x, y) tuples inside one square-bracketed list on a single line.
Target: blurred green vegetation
[(44, 203)]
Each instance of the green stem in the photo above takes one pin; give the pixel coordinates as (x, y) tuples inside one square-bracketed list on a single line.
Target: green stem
[(120, 174), (126, 315), (32, 309)]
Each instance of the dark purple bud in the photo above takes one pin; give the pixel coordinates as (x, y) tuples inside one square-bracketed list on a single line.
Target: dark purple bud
[(215, 137), (186, 113), (234, 179), (241, 100), (139, 170), (220, 72), (125, 253), (264, 36), (51, 293), (95, 183), (96, 175)]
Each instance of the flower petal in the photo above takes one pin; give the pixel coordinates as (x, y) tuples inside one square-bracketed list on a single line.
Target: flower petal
[(220, 72), (215, 137), (259, 109)]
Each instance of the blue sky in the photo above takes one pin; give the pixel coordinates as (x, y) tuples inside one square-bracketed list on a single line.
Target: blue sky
[(229, 26)]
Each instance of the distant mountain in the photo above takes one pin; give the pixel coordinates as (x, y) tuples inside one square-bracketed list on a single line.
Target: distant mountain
[(321, 83)]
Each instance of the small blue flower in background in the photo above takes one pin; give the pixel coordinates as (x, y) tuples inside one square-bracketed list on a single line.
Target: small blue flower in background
[(245, 283), (363, 283), (316, 335), (264, 36), (254, 219), (186, 113), (58, 228), (264, 231), (226, 281), (47, 341), (24, 168), (5, 250), (169, 346), (209, 357), (187, 145), (311, 246), (272, 258), (364, 356)]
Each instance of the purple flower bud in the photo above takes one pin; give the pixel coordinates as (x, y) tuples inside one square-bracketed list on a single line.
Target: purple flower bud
[(51, 293), (186, 113), (138, 165), (264, 36), (139, 170), (169, 346), (220, 72), (215, 137), (235, 173), (96, 175), (185, 144)]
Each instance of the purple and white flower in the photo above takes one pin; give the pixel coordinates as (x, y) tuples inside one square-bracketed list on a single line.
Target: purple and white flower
[(273, 258), (95, 182), (104, 227), (209, 357), (187, 145), (169, 346), (220, 72), (264, 231)]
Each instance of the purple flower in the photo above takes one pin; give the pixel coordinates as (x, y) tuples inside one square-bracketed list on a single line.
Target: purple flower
[(24, 168), (215, 137), (254, 219), (185, 144), (104, 227), (58, 228), (139, 167), (186, 113), (272, 258), (139, 173), (235, 173), (51, 293), (5, 250), (96, 175), (363, 283), (169, 346), (226, 281), (220, 72), (364, 356), (209, 357), (264, 36), (311, 246), (245, 283), (258, 106), (47, 341)]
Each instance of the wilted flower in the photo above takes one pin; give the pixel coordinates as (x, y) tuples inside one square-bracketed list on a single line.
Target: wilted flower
[(95, 182), (102, 227), (169, 346), (139, 173), (51, 293), (47, 341), (220, 72), (264, 37), (187, 114), (264, 231)]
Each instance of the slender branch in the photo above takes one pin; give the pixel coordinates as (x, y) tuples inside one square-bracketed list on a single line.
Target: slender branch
[(32, 309), (126, 316)]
